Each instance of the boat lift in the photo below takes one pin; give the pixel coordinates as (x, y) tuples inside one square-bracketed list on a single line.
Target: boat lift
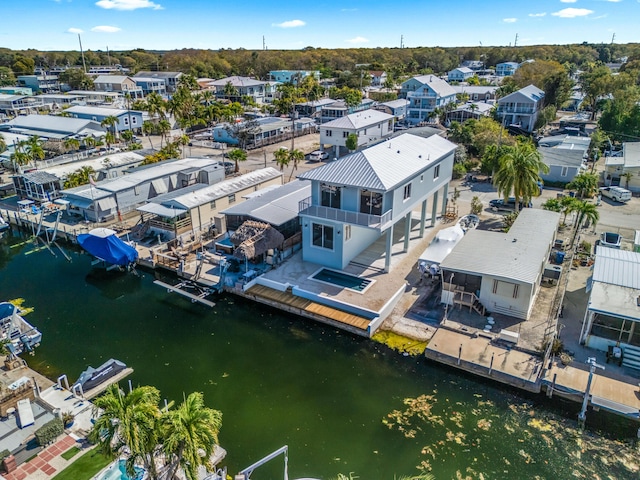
[(246, 473), (198, 297)]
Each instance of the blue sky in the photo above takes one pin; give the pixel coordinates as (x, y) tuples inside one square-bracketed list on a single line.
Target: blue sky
[(287, 24)]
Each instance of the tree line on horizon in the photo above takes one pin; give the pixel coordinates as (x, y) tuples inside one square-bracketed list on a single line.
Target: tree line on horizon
[(330, 62)]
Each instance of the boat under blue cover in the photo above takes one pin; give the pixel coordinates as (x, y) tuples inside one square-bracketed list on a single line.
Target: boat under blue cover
[(104, 244)]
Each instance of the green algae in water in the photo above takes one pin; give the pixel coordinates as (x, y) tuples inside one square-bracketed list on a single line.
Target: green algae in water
[(467, 433)]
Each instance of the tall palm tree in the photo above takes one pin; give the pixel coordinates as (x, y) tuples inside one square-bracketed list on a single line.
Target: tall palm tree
[(190, 433), (109, 139), (585, 211), (71, 144), (183, 141), (156, 106), (110, 123), (148, 128), (295, 157), (519, 172), (128, 422), (237, 155), (282, 158), (163, 128), (89, 142)]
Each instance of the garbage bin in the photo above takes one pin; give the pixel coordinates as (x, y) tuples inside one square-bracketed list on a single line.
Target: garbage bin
[(572, 194), (560, 257)]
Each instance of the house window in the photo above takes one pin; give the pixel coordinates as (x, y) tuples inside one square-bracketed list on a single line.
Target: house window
[(232, 198), (322, 236), (329, 133), (330, 196), (347, 232), (136, 190), (407, 192), (421, 178), (134, 120), (126, 121), (212, 204), (345, 134), (436, 172), (370, 202), (564, 171)]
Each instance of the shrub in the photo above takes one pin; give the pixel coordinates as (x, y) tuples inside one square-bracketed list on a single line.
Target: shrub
[(47, 433), (4, 454), (476, 205), (458, 170)]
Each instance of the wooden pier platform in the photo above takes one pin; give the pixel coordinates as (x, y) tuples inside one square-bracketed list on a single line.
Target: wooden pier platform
[(94, 392)]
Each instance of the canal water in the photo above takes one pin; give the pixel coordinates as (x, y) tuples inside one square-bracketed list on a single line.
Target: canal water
[(342, 404)]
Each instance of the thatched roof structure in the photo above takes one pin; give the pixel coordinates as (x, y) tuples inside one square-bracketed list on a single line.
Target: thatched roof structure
[(252, 239)]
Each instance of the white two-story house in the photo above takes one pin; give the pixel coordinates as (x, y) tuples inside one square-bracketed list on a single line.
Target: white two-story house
[(370, 126), (460, 74), (521, 108), (426, 93), (362, 197)]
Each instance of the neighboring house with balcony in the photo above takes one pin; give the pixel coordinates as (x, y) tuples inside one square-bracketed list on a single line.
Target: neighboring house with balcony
[(40, 83), (13, 105), (171, 79), (426, 93), (506, 69), (127, 119), (339, 109), (475, 110), (615, 168), (460, 74), (370, 126), (117, 83), (151, 84), (359, 199), (313, 108), (477, 93), (397, 108), (378, 78), (521, 108), (243, 87), (293, 76)]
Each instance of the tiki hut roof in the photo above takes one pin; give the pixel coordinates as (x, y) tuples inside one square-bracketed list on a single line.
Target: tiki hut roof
[(252, 239)]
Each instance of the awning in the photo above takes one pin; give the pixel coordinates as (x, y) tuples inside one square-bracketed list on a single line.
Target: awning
[(161, 210), (25, 203), (159, 186), (107, 204)]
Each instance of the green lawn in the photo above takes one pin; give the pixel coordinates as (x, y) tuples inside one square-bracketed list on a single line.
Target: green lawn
[(72, 452), (84, 467)]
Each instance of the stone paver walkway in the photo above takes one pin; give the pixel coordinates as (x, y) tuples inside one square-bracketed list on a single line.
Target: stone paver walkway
[(47, 463)]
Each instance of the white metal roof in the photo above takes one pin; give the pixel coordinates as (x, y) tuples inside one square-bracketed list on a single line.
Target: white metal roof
[(438, 85), (617, 267), (222, 189), (614, 300), (561, 156), (385, 165), (517, 255), (631, 153), (355, 121), (98, 111), (50, 123), (99, 163), (110, 79), (237, 81), (276, 206), (401, 102), (483, 90), (530, 92)]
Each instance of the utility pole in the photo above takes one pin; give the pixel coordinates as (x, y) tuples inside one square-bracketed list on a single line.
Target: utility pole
[(515, 44), (264, 45), (613, 37), (582, 416), (108, 56), (84, 65), (401, 41)]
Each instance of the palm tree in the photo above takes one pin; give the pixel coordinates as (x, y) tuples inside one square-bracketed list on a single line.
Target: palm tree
[(585, 211), (585, 183), (237, 155), (190, 433), (230, 90), (3, 144), (148, 128), (72, 143), (519, 172), (156, 106), (109, 139), (163, 128), (627, 177), (89, 142), (110, 123), (183, 141), (128, 422), (295, 156), (282, 157)]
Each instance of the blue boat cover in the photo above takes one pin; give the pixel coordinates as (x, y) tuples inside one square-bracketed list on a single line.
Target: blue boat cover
[(110, 249)]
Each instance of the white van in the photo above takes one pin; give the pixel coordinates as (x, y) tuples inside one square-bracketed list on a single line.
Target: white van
[(617, 194)]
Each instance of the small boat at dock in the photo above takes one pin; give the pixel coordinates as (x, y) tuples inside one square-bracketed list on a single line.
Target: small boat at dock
[(18, 334)]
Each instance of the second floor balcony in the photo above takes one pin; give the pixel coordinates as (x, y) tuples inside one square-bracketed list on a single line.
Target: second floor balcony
[(378, 222), (526, 109)]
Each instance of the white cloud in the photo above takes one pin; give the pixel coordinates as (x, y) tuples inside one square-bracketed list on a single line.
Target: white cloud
[(509, 20), (536, 15), (358, 40), (289, 24), (127, 4), (568, 1), (105, 29), (74, 30), (572, 12)]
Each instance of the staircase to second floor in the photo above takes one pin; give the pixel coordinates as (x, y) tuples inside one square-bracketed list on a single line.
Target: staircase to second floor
[(468, 299)]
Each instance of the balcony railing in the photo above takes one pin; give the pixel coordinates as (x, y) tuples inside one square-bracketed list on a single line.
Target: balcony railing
[(345, 216), (508, 110)]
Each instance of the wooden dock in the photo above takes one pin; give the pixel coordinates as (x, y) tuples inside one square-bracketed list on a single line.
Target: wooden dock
[(308, 308), (94, 392)]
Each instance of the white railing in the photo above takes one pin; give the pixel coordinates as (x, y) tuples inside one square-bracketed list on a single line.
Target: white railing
[(355, 218)]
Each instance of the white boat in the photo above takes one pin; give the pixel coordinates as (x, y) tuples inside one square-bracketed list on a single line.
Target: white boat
[(3, 224), (19, 334), (439, 248)]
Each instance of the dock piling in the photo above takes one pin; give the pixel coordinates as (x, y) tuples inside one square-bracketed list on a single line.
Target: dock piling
[(459, 353), (491, 364), (553, 384)]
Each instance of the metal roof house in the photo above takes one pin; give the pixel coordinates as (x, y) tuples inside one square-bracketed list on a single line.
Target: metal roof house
[(98, 114), (477, 92), (370, 126), (278, 207), (293, 76), (397, 108), (339, 109), (502, 271), (117, 83), (15, 104), (151, 84), (470, 110), (506, 68), (521, 108), (54, 128), (38, 186), (612, 316), (194, 208), (171, 78), (112, 198), (460, 74), (244, 87), (425, 93), (360, 198), (565, 155)]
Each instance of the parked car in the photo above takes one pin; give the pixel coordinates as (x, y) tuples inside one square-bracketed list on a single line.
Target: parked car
[(610, 239), (229, 167), (318, 156), (617, 194)]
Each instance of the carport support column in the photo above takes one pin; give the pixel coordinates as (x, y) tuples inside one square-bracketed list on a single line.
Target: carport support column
[(434, 209), (444, 199), (387, 256), (407, 231), (423, 216)]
